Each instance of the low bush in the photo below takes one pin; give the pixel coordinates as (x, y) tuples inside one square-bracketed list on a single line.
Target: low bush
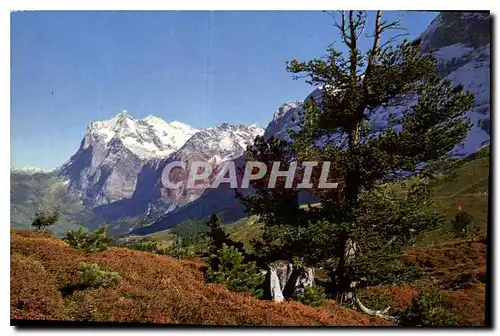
[(227, 267), (427, 309), (463, 225), (96, 241), (91, 275), (313, 296)]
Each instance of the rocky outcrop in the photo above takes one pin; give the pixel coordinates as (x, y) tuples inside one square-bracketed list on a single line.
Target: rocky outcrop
[(214, 145), (287, 280)]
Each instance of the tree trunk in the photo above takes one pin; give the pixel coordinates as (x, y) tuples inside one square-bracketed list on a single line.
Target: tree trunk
[(341, 280)]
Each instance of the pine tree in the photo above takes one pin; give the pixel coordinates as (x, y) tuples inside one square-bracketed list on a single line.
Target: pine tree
[(277, 207), (217, 235), (43, 219), (462, 224), (231, 269), (96, 241), (386, 175)]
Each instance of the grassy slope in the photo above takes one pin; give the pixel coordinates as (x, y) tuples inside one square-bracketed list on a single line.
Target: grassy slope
[(47, 190), (153, 288), (470, 190)]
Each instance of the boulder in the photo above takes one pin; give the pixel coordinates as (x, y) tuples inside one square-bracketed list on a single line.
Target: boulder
[(287, 280)]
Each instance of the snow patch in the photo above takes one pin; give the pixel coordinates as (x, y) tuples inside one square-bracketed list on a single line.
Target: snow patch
[(147, 138)]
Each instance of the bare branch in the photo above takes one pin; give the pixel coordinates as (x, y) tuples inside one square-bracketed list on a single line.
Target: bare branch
[(374, 50), (342, 28), (376, 313)]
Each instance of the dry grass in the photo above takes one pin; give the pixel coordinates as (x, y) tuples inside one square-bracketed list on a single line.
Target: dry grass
[(153, 288)]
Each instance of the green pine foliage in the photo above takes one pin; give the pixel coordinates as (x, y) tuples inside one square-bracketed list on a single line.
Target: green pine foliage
[(181, 249), (427, 309), (462, 224), (227, 266), (313, 295), (272, 205), (91, 275), (96, 241), (190, 231), (217, 236)]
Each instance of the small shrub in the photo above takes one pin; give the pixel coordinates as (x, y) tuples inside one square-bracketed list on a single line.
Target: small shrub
[(96, 241), (227, 266), (312, 296), (178, 252), (92, 276), (427, 309), (44, 219), (463, 225)]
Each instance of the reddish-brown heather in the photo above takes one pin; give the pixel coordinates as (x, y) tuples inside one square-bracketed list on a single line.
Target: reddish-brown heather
[(468, 304), (458, 268), (153, 288), (453, 261), (401, 295)]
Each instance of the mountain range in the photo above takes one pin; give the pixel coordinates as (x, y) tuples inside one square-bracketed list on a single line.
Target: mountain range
[(116, 173)]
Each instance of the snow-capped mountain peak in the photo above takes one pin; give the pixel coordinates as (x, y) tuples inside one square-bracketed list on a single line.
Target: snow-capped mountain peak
[(146, 138), (223, 142), (113, 152), (284, 108)]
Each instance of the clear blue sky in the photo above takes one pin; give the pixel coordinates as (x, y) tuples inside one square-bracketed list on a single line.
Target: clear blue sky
[(200, 68)]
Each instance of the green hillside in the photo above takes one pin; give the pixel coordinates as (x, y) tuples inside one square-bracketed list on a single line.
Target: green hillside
[(47, 190)]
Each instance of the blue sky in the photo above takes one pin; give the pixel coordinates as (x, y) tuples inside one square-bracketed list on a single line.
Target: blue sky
[(200, 68)]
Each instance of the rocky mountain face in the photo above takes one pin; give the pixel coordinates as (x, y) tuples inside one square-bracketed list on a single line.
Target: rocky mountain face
[(113, 152), (461, 44), (151, 197)]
